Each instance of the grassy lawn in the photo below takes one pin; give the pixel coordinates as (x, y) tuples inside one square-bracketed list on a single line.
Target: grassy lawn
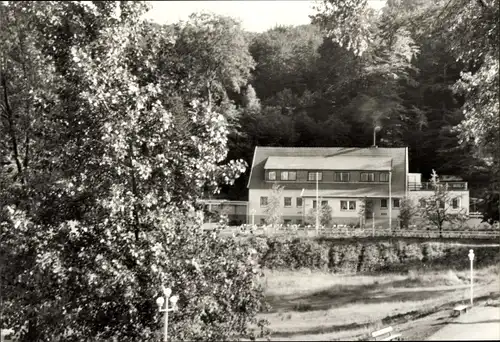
[(313, 305)]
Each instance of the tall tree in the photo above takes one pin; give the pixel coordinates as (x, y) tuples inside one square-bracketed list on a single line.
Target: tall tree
[(214, 51), (104, 213)]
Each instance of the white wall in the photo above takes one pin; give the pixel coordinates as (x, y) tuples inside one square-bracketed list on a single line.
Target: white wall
[(254, 202), (415, 178), (334, 203), (463, 195)]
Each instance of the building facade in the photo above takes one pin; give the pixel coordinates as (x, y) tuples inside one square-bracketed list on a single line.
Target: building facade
[(347, 179), (236, 211)]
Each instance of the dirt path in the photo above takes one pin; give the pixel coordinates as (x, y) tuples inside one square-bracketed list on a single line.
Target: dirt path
[(480, 323), (435, 326)]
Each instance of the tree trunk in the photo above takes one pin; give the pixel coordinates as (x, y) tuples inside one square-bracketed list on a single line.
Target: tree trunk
[(134, 191), (12, 133)]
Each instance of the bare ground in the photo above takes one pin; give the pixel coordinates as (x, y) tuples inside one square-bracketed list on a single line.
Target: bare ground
[(322, 306)]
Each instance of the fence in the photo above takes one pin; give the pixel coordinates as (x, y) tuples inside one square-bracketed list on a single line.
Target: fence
[(345, 232)]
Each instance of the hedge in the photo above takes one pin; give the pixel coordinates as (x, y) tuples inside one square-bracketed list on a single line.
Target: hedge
[(365, 255)]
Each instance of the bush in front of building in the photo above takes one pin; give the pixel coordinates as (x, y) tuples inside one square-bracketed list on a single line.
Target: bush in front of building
[(352, 256), (308, 253)]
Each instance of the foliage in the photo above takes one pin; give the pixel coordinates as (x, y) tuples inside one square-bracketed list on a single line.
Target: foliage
[(100, 208), (408, 209), (215, 51), (365, 211), (437, 209), (274, 205), (325, 216), (385, 255)]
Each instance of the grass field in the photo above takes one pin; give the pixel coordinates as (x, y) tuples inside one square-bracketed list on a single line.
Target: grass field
[(314, 305)]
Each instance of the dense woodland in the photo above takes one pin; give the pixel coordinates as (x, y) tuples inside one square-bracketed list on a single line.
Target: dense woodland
[(112, 127)]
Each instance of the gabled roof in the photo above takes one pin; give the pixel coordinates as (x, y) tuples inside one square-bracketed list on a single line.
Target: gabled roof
[(337, 155), (370, 163)]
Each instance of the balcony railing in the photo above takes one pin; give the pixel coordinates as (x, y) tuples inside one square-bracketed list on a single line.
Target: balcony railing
[(457, 186)]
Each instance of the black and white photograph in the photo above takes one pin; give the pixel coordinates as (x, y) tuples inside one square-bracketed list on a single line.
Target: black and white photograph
[(245, 170)]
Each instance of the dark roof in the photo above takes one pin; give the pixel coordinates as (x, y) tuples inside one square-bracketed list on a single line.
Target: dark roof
[(261, 154)]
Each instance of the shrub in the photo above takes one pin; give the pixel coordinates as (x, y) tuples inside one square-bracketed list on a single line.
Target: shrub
[(370, 260), (308, 253), (279, 255), (334, 257), (388, 254), (432, 251), (412, 252), (350, 258), (407, 211)]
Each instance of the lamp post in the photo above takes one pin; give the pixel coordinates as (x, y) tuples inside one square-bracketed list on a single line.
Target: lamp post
[(317, 204), (165, 300), (375, 130), (471, 258), (390, 199), (303, 207)]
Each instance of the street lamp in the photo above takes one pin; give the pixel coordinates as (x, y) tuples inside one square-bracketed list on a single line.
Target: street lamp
[(317, 204), (471, 258), (375, 130), (164, 300)]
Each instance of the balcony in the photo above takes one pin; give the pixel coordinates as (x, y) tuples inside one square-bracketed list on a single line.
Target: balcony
[(427, 186)]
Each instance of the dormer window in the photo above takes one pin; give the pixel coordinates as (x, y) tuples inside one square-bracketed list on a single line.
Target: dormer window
[(288, 175), (271, 175), (367, 177), (311, 176), (342, 176)]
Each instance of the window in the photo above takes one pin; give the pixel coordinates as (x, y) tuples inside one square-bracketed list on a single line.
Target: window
[(352, 205), (288, 202), (312, 176), (262, 221), (287, 221), (299, 222), (288, 175), (395, 203), (314, 204), (384, 177), (367, 177), (271, 175), (342, 176), (323, 203), (383, 203), (299, 202), (347, 205), (263, 201), (455, 203), (441, 204)]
